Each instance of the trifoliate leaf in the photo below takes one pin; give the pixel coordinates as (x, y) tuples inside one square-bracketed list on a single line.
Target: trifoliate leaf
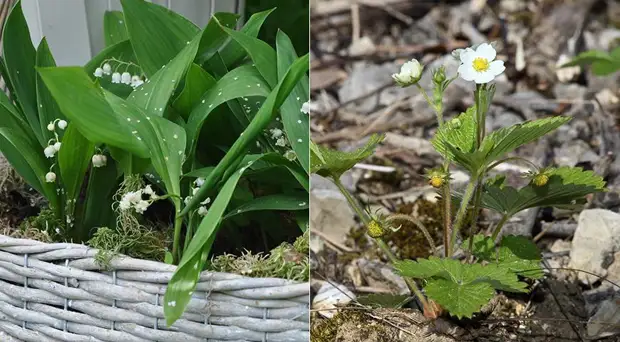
[(460, 288), (460, 300), (383, 300), (332, 163), (520, 255), (566, 186)]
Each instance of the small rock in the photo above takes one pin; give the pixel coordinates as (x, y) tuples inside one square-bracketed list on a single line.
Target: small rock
[(596, 239), (606, 320), (416, 145), (362, 46), (560, 246), (329, 297), (569, 91), (330, 214), (363, 79), (380, 275), (574, 152)]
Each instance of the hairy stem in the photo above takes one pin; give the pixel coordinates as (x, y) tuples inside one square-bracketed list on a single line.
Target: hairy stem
[(499, 226), (432, 104), (460, 214), (417, 223), (480, 117), (352, 202), (474, 220)]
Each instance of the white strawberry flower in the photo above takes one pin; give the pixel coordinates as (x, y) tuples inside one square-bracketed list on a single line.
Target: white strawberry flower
[(51, 127), (126, 78), (98, 72), (479, 65), (107, 69), (49, 151), (116, 77), (50, 177), (62, 124), (409, 74), (57, 146)]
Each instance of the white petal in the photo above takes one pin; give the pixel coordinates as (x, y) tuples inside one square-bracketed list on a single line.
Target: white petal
[(467, 72), (467, 56), (497, 67), (484, 77), (486, 51)]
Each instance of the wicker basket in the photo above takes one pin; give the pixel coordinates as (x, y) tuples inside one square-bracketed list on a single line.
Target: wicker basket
[(58, 292)]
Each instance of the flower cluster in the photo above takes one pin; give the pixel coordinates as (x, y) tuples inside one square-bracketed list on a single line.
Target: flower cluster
[(125, 78), (202, 210), (53, 145), (140, 199)]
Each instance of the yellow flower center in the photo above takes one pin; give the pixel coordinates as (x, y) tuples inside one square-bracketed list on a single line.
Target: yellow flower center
[(481, 64), (436, 181)]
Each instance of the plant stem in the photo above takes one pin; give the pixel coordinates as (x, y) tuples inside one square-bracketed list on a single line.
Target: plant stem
[(460, 215), (474, 220), (178, 223), (499, 226), (352, 202), (430, 103), (480, 117)]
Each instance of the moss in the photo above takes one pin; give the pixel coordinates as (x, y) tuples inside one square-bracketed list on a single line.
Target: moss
[(327, 330), (44, 227), (285, 261)]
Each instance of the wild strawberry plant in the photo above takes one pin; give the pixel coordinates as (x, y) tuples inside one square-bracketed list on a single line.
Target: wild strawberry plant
[(209, 121), (491, 263)]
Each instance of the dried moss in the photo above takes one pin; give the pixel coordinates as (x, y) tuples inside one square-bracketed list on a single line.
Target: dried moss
[(327, 330), (285, 261)]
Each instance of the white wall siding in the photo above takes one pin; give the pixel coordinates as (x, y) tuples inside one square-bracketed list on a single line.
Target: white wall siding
[(74, 28)]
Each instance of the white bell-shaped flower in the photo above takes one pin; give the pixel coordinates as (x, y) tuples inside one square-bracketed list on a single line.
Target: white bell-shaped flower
[(107, 69), (50, 177), (141, 206), (275, 133), (202, 211), (51, 127), (116, 77), (98, 72), (99, 160), (62, 124), (305, 107), (126, 78), (479, 65), (135, 80), (409, 74), (49, 151), (57, 146), (199, 181)]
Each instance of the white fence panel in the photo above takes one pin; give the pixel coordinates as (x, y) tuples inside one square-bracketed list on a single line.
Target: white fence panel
[(74, 28)]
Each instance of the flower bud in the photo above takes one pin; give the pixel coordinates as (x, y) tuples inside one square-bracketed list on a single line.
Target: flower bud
[(107, 69), (410, 73), (116, 77), (50, 177), (57, 146), (126, 78), (49, 151), (202, 211), (375, 230), (98, 72), (62, 124), (439, 75), (51, 127), (437, 177), (540, 179)]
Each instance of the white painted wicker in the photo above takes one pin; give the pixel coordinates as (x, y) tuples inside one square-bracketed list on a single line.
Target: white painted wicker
[(58, 292)]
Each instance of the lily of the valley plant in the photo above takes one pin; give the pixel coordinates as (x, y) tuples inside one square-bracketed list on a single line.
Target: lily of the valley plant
[(195, 120), (461, 286)]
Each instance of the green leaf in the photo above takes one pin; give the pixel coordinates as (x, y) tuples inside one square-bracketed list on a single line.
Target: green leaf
[(260, 52), (186, 275), (114, 30), (272, 202), (566, 185), (11, 118), (296, 124), (483, 247), (121, 51), (48, 109), (233, 53), (460, 300), (157, 34), (168, 259), (459, 132), (76, 94), (20, 59), (264, 116), (589, 57), (332, 163), (73, 159), (520, 255), (97, 209), (197, 82), (383, 300)]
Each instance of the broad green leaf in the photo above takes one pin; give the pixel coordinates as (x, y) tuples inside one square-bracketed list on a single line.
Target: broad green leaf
[(589, 57), (332, 163), (197, 82), (20, 58), (460, 133), (460, 300), (241, 82), (383, 300), (296, 124), (4, 73), (47, 107), (121, 51), (276, 159), (153, 96), (213, 37), (102, 184), (28, 160), (303, 220), (566, 185), (202, 172), (156, 33), (114, 30), (186, 275), (272, 202), (11, 118), (76, 94), (483, 247), (233, 53), (260, 52), (264, 116), (73, 159), (520, 255)]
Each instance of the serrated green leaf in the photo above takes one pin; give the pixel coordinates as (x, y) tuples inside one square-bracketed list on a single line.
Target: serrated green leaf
[(460, 133), (566, 185), (332, 163), (520, 255), (483, 247), (114, 30), (461, 300)]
